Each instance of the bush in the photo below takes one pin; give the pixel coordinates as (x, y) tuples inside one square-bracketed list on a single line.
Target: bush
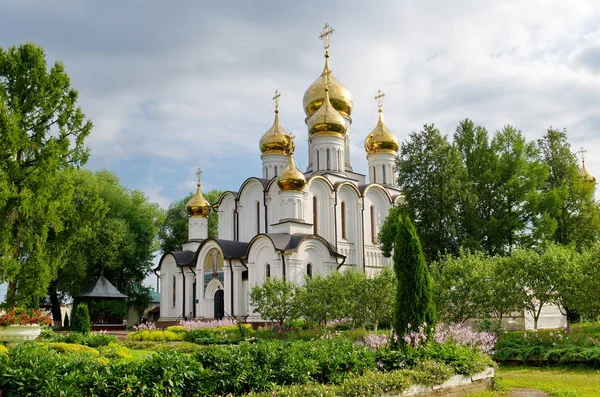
[(93, 339), (81, 319), (63, 347), (156, 335), (115, 351)]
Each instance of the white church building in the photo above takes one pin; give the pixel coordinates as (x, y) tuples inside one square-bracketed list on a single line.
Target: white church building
[(287, 223)]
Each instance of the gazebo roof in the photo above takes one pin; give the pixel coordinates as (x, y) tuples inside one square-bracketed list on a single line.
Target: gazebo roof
[(102, 289)]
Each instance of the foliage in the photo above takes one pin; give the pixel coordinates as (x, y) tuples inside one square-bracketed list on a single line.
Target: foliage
[(174, 229), (585, 279), (465, 336), (23, 316), (92, 339), (414, 300), (3, 349), (43, 133), (115, 351), (275, 300), (80, 321), (156, 335), (63, 347), (195, 324)]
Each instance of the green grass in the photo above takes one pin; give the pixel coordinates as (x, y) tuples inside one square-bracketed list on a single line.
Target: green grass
[(559, 382), (140, 354)]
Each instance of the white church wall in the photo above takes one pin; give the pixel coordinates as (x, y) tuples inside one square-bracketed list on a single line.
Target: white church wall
[(320, 188), (226, 216), (349, 233), (261, 253), (273, 210), (550, 317), (251, 210), (168, 271), (377, 203)]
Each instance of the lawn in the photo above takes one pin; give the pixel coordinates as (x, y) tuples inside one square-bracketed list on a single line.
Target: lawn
[(560, 382)]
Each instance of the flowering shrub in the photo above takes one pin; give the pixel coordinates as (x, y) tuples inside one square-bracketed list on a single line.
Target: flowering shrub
[(22, 316), (465, 336), (147, 326), (194, 324), (374, 341), (415, 338)]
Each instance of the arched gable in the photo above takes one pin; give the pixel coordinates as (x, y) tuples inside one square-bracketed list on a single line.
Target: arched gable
[(261, 251), (319, 207), (251, 211), (226, 210), (273, 205), (315, 251), (349, 222), (377, 202), (168, 271)]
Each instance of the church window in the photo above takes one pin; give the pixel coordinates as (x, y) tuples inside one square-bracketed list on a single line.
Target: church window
[(309, 270), (174, 297), (318, 162), (384, 178), (268, 271), (315, 215), (257, 217), (328, 160), (374, 173), (339, 158), (275, 171), (343, 216), (373, 234)]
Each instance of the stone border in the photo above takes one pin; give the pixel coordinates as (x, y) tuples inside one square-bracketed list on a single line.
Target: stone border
[(457, 385)]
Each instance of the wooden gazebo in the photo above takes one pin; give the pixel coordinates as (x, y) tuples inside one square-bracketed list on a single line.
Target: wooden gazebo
[(107, 306)]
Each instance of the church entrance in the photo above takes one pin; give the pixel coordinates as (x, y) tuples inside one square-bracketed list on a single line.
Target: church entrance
[(219, 304)]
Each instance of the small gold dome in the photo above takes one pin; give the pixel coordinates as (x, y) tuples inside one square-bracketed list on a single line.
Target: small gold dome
[(291, 179), (587, 175), (276, 140), (339, 96), (381, 139), (198, 206), (326, 120)]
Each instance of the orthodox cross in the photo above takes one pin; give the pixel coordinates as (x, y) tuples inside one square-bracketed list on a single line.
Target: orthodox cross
[(327, 31), (199, 174), (276, 99), (379, 98), (582, 151)]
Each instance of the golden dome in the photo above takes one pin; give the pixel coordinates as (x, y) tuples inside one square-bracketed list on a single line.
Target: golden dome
[(381, 139), (339, 96), (291, 179), (276, 140), (587, 175), (326, 120), (198, 206)]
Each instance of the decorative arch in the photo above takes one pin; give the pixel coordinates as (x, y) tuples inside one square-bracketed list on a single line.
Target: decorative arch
[(211, 288), (226, 207), (251, 191), (349, 241), (321, 189)]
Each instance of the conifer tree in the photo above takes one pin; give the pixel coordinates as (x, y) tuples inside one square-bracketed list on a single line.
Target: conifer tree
[(80, 320), (414, 299)]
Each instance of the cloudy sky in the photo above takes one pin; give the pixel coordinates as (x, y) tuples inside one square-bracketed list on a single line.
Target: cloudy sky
[(173, 85)]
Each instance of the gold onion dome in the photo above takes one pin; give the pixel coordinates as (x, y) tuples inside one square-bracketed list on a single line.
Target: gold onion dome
[(326, 120), (587, 175), (198, 205), (381, 139), (276, 140), (340, 97), (291, 179)]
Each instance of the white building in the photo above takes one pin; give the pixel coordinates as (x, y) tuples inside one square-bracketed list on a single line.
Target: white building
[(286, 223)]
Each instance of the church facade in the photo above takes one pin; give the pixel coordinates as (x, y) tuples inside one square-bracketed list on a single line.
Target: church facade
[(287, 223)]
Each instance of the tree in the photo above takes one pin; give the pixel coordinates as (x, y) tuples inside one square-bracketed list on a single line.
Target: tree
[(586, 283), (322, 298), (80, 320), (42, 131), (568, 211), (433, 181), (122, 246), (503, 290), (380, 292), (174, 230), (275, 300), (414, 298), (460, 285)]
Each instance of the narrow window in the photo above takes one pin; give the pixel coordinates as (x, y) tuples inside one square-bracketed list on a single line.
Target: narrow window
[(318, 162), (343, 219), (339, 160), (373, 234), (268, 271), (275, 171), (174, 290), (315, 215), (328, 160), (257, 217), (374, 175), (384, 178), (309, 270)]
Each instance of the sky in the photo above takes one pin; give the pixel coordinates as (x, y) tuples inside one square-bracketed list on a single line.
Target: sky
[(175, 85)]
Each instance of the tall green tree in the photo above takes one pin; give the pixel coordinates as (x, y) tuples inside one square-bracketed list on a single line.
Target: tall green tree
[(123, 245), (276, 300), (568, 211), (433, 181), (414, 299), (174, 230), (42, 131)]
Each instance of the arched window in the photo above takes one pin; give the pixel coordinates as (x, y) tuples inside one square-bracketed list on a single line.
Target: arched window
[(384, 178), (275, 171), (315, 216), (174, 291), (309, 270), (257, 217), (373, 234), (343, 216), (328, 160), (268, 271)]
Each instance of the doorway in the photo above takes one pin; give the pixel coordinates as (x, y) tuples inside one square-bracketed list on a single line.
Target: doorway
[(219, 304)]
